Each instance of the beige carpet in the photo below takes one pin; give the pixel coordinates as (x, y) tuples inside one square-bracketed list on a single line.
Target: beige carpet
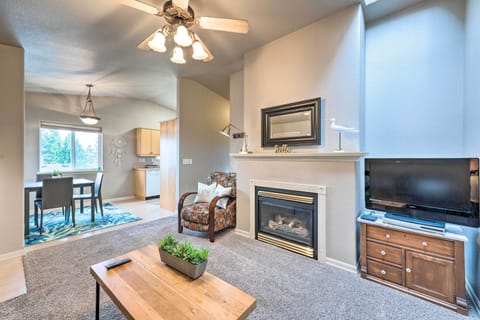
[(286, 285)]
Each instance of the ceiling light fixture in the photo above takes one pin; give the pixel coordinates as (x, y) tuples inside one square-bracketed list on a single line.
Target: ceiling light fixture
[(180, 17), (88, 115), (178, 55)]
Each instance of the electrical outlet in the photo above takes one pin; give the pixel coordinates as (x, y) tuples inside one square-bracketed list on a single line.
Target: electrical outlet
[(187, 161)]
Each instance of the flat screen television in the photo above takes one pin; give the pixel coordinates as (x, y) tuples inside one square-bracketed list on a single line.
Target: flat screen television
[(444, 190)]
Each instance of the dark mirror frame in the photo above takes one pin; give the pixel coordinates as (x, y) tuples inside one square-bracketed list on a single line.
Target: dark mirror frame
[(312, 105)]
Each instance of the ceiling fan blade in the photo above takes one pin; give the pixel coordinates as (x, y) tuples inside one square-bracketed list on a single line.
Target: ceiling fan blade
[(181, 3), (144, 44), (222, 24), (142, 7)]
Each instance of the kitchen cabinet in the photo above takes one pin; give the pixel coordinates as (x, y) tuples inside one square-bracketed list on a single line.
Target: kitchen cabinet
[(148, 142), (427, 266), (147, 183)]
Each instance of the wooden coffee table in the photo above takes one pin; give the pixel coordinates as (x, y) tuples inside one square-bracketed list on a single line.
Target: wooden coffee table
[(146, 288)]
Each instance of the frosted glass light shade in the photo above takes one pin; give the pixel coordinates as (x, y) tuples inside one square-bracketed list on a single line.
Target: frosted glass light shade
[(158, 42), (198, 51), (177, 56), (182, 38)]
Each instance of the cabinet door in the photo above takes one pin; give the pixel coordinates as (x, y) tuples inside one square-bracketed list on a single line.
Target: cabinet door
[(144, 142), (139, 184), (430, 275), (155, 142)]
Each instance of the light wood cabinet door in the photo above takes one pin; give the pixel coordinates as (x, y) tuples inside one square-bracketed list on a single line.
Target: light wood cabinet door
[(148, 142), (155, 142), (430, 275)]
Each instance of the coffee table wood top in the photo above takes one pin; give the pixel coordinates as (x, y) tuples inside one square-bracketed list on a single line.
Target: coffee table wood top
[(146, 288)]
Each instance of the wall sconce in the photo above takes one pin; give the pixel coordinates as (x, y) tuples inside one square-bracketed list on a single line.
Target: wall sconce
[(227, 131)]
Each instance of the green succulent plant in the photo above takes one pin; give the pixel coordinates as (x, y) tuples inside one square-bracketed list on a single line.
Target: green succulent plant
[(183, 250)]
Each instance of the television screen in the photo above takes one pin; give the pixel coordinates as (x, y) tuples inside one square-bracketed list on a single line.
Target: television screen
[(433, 189)]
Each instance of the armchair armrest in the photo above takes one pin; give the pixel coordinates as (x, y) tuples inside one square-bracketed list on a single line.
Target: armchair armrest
[(182, 199), (213, 202)]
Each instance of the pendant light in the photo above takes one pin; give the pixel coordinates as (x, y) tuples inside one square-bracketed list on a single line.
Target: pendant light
[(88, 115)]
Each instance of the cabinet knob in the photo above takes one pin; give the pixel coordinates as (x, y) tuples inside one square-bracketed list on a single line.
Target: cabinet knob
[(408, 270), (387, 235), (383, 272), (383, 252), (424, 243)]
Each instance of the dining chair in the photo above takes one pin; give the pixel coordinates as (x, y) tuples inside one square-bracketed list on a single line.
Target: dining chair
[(56, 193), (97, 194)]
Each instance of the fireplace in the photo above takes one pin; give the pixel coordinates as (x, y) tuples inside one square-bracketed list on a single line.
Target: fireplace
[(287, 219)]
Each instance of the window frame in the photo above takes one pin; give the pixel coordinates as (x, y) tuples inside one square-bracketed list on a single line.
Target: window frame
[(72, 128)]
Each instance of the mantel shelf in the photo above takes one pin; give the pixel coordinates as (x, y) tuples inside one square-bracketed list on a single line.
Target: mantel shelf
[(351, 156)]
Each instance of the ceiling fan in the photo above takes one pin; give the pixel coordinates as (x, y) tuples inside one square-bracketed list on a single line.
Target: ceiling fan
[(180, 18)]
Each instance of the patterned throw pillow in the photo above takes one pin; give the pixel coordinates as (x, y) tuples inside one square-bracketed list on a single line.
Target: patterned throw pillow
[(222, 191), (205, 193)]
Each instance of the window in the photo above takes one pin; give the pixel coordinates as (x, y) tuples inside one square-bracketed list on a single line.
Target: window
[(67, 147)]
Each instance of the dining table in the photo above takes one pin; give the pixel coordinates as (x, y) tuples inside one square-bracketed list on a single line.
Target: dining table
[(34, 186)]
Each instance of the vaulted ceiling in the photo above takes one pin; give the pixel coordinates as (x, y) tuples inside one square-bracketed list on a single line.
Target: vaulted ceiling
[(69, 43)]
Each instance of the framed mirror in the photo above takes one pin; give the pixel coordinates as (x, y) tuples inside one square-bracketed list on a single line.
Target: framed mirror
[(293, 124)]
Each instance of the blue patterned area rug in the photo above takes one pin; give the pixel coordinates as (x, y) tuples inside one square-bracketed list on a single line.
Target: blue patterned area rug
[(55, 227)]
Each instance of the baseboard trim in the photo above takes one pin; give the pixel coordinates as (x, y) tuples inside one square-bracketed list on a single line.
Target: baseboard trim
[(13, 254), (341, 265), (473, 296), (242, 233), (120, 198)]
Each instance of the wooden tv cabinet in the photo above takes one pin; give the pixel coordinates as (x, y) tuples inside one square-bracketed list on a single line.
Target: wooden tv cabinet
[(428, 266)]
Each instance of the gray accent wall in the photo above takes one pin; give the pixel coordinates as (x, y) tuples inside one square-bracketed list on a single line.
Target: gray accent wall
[(471, 126), (11, 150), (202, 114), (422, 93), (415, 81), (119, 118)]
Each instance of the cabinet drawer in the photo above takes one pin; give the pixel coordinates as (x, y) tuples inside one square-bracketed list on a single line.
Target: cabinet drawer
[(384, 252), (385, 272), (421, 242)]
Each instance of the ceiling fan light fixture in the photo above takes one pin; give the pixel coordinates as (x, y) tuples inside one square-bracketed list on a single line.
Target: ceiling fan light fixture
[(177, 56), (182, 38), (158, 42), (199, 52), (88, 115)]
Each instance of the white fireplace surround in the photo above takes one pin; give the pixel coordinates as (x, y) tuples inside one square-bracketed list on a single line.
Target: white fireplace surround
[(321, 192)]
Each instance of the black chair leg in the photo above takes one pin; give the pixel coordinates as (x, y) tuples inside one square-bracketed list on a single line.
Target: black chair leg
[(41, 221), (36, 216), (72, 207), (100, 202)]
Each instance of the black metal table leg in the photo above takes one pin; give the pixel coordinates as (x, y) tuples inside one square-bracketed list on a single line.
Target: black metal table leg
[(97, 301)]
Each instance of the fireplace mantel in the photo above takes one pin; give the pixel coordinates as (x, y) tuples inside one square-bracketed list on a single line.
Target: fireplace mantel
[(337, 156)]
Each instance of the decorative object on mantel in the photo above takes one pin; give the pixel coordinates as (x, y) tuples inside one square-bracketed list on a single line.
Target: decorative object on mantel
[(183, 256), (282, 149), (227, 132), (295, 123), (340, 129), (119, 149), (88, 114), (180, 17)]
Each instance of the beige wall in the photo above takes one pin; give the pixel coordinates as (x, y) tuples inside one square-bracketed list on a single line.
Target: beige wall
[(11, 149), (236, 113), (202, 114), (324, 60), (339, 178), (119, 118)]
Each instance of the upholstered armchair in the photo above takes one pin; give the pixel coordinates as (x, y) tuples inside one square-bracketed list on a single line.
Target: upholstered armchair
[(209, 216)]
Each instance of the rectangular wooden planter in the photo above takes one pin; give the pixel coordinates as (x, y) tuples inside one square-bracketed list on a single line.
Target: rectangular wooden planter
[(194, 271)]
